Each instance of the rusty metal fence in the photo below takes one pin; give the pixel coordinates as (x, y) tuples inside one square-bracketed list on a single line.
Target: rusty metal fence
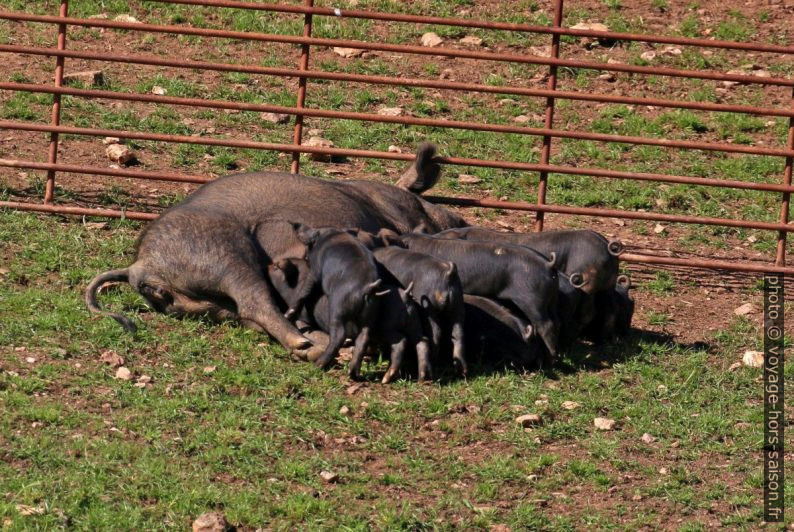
[(550, 94)]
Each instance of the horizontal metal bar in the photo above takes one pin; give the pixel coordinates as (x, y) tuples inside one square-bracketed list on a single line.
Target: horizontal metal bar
[(627, 257), (399, 48), (113, 172), (413, 82), (79, 211), (507, 165), (611, 213), (706, 264), (452, 124), (469, 23)]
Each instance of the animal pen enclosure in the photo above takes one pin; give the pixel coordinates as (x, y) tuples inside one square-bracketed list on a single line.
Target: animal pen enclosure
[(547, 161)]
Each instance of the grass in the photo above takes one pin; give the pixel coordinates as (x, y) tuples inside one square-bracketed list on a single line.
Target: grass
[(250, 437)]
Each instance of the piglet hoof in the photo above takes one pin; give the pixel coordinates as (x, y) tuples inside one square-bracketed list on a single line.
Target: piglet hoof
[(389, 376), (322, 362), (460, 367), (354, 374), (425, 374), (290, 313)]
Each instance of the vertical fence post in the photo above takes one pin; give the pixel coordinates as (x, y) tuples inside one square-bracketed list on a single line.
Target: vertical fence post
[(304, 65), (545, 152), (52, 156), (780, 260)]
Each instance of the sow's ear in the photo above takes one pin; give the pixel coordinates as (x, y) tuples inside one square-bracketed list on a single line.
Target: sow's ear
[(306, 234)]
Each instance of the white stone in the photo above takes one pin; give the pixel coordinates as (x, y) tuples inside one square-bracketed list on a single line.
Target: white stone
[(431, 39), (602, 423)]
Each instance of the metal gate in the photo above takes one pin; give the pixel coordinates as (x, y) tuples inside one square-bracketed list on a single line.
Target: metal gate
[(549, 94)]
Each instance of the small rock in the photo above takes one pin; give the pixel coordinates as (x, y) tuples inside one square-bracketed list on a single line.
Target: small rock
[(570, 405), (89, 77), (541, 402), (111, 358), (468, 179), (594, 26), (390, 111), (394, 149), (744, 310), (662, 470), (620, 222), (159, 91), (735, 366), (507, 101), (521, 119), (671, 50), (753, 359), (431, 39), (127, 18), (607, 76), (533, 478), (30, 360), (637, 497), (659, 229), (602, 423), (345, 411), (509, 227), (347, 53), (142, 381), (446, 74), (648, 56), (211, 522), (209, 369), (123, 374), (661, 388), (590, 26), (120, 154), (499, 528), (329, 477), (752, 239), (275, 118), (529, 420), (320, 143), (99, 16), (471, 40), (647, 438), (107, 141), (314, 132), (354, 388)]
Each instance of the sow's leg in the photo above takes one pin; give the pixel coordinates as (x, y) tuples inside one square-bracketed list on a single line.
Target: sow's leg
[(205, 254)]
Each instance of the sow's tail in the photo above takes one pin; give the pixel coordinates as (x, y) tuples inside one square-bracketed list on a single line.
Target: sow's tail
[(423, 174), (94, 286)]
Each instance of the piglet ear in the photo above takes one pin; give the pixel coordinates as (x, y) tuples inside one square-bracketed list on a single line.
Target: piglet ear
[(306, 234), (406, 295), (527, 333), (422, 228), (389, 237), (451, 268)]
